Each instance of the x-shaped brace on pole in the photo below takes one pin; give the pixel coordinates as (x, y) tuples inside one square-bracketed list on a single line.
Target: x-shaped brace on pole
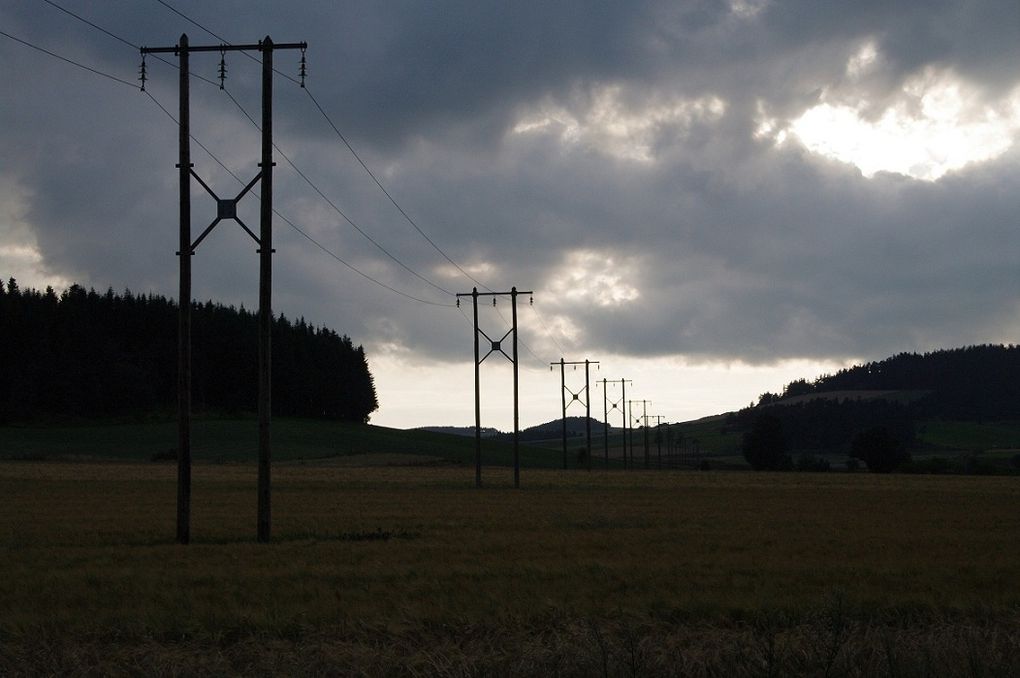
[(495, 345), (576, 397), (225, 209)]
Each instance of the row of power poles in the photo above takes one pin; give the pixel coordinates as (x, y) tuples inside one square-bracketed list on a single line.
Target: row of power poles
[(226, 210)]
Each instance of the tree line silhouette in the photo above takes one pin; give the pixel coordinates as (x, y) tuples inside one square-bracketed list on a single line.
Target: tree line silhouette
[(973, 383), (81, 354), (877, 424)]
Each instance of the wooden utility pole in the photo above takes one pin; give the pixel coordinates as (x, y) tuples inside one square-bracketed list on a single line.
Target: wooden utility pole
[(658, 437), (576, 397), (265, 294), (621, 403), (494, 347), (226, 209), (184, 308)]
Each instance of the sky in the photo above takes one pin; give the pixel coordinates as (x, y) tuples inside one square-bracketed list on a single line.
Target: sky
[(711, 199)]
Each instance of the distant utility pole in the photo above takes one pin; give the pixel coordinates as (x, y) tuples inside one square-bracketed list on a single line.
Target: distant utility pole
[(605, 414), (225, 209), (658, 437), (644, 417), (493, 347), (638, 420), (576, 397)]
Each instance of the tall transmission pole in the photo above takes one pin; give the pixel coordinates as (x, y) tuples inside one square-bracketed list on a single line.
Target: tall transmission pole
[(642, 419), (644, 423), (617, 404), (605, 420), (658, 437), (226, 209), (576, 397), (495, 346)]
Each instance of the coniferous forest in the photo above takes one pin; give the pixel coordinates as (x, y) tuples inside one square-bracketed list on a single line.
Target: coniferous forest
[(82, 354), (973, 384)]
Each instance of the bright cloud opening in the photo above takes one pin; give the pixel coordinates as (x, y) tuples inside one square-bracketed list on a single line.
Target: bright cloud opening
[(747, 9), (20, 256), (620, 128), (593, 277), (936, 125)]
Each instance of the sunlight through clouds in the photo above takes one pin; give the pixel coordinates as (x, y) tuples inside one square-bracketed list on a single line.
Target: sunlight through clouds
[(747, 9), (936, 125), (20, 256), (594, 277), (620, 128)]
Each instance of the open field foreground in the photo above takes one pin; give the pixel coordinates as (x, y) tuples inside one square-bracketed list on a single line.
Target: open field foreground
[(381, 571)]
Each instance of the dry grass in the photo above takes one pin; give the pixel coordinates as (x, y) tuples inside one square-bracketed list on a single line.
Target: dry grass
[(413, 570)]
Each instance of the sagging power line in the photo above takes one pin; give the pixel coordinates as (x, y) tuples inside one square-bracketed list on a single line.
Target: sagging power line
[(329, 120), (144, 78)]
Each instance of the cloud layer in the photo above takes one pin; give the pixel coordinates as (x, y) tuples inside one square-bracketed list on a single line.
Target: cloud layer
[(738, 181)]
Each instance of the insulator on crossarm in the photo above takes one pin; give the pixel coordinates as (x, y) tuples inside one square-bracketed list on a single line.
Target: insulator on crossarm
[(458, 303), (142, 74), (531, 301), (494, 301), (302, 72), (223, 67)]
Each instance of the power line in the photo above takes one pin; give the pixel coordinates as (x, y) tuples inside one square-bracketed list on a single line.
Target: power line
[(84, 20), (521, 341), (215, 158), (70, 61), (221, 38), (544, 323), (337, 209), (378, 183), (191, 21), (296, 227), (121, 39), (346, 143), (357, 157)]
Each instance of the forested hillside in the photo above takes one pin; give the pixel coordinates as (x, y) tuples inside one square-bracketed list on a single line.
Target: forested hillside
[(82, 354), (972, 383), (975, 384)]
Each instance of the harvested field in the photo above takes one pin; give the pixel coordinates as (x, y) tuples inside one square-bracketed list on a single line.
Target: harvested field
[(413, 570)]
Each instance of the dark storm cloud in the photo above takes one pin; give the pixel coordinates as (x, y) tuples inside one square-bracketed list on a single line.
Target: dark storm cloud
[(737, 248)]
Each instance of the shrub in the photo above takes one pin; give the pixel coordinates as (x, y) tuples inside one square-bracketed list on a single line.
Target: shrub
[(166, 455), (879, 450), (764, 446), (809, 462), (933, 465)]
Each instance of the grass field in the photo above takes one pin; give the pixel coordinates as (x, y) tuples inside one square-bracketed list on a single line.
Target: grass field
[(236, 440), (412, 570)]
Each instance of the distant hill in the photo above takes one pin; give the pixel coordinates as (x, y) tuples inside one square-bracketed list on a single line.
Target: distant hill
[(554, 429), (550, 430), (971, 384), (487, 432)]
